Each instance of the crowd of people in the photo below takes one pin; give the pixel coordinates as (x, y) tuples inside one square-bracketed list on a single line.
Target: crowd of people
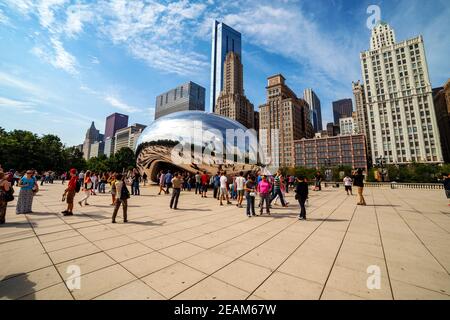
[(225, 188)]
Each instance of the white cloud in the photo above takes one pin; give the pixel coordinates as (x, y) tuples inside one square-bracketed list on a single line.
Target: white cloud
[(22, 106), (4, 19), (115, 102), (57, 56), (77, 15)]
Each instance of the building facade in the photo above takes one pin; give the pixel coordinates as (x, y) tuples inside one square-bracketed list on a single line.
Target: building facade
[(127, 137), (97, 149), (92, 135), (232, 102), (115, 122), (331, 152), (346, 126), (282, 120), (188, 96), (441, 98), (401, 117), (332, 130), (315, 111), (342, 109), (224, 40)]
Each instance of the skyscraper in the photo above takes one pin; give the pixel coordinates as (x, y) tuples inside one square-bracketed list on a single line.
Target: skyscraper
[(441, 97), (401, 117), (188, 96), (224, 40), (342, 109), (92, 135), (115, 122), (127, 137), (283, 119), (315, 111), (362, 122), (232, 102)]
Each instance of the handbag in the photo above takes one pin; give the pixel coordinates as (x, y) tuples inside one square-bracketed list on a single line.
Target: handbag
[(252, 194)]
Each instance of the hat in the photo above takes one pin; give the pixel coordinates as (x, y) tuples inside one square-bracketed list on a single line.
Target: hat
[(73, 170)]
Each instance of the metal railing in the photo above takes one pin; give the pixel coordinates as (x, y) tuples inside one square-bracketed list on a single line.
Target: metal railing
[(393, 185)]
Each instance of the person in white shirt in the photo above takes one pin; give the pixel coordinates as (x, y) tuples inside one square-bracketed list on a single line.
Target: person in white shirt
[(240, 183), (348, 184), (223, 188)]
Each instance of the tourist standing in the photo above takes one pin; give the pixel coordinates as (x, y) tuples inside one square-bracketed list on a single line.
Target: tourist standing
[(87, 188), (301, 194), (358, 181), (28, 187), (264, 189), (69, 193), (348, 185), (94, 183), (135, 186), (198, 184), (250, 194), (112, 183), (216, 186), (122, 198), (204, 180), (168, 181), (4, 189), (318, 183), (177, 182), (224, 188), (144, 177), (240, 187)]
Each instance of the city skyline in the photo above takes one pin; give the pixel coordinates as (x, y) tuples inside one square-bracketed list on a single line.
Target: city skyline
[(61, 67)]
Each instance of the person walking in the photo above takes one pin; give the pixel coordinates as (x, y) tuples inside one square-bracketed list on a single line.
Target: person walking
[(144, 178), (122, 199), (224, 188), (318, 182), (5, 187), (63, 178), (447, 186), (358, 181), (264, 189), (69, 194), (102, 184), (168, 181), (87, 188), (94, 181), (177, 182), (216, 185), (204, 180), (240, 188), (301, 194), (28, 187), (161, 182), (278, 182), (348, 184), (250, 194)]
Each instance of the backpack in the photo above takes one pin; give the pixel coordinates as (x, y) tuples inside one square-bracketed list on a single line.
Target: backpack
[(124, 193), (78, 186)]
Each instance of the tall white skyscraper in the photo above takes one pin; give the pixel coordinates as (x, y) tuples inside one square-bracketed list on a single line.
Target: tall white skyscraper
[(400, 112)]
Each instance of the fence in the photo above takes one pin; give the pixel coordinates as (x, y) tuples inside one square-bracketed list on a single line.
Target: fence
[(394, 185)]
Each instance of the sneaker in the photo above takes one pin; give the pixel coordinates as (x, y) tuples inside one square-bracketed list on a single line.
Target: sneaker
[(68, 214), (65, 211), (114, 221), (249, 215), (86, 204), (125, 221), (300, 218)]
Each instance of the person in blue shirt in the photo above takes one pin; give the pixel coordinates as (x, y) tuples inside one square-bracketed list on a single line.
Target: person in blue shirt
[(28, 187), (168, 180)]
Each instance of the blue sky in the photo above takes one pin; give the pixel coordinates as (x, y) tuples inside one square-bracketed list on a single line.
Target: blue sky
[(64, 63)]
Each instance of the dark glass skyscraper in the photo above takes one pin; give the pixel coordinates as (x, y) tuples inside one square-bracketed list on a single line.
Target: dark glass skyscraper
[(115, 122), (342, 109), (224, 40)]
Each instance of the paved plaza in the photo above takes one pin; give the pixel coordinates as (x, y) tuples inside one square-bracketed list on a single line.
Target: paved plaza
[(204, 251)]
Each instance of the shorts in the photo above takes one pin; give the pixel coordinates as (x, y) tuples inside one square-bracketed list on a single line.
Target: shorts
[(70, 196), (205, 188), (240, 193), (223, 191), (348, 188)]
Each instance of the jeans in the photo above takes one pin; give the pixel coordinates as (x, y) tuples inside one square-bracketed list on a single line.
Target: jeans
[(135, 189), (175, 196), (198, 187), (101, 187), (265, 197), (250, 204), (280, 194), (216, 192), (301, 202)]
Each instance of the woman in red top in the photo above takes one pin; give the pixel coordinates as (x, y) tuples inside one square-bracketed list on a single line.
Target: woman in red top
[(69, 193), (204, 180), (87, 187)]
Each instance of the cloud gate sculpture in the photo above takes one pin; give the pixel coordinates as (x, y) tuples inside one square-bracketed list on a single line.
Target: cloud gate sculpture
[(196, 141)]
